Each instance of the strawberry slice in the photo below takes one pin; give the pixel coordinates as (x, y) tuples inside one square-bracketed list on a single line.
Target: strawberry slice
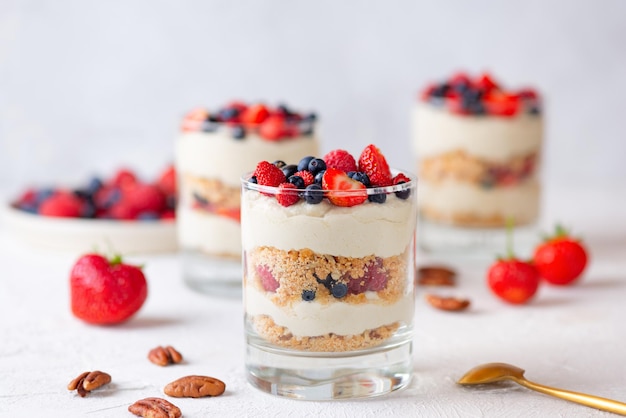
[(373, 163), (255, 114), (342, 190), (501, 104), (273, 128)]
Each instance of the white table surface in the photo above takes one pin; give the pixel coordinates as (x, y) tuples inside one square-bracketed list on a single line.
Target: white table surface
[(572, 337)]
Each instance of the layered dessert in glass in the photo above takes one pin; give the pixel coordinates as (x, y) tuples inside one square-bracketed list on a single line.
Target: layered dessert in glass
[(478, 147), (212, 150), (328, 275)]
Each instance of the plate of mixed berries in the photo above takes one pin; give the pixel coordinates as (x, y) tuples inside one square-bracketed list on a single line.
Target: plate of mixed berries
[(122, 212)]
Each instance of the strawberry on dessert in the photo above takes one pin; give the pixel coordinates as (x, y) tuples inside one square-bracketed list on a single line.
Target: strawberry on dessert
[(215, 147), (328, 253), (477, 146)]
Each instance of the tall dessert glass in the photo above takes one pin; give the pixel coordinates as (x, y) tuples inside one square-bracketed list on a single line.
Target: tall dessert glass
[(329, 290), (478, 150), (212, 151)]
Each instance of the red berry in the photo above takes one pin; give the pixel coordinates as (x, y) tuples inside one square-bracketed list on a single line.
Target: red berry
[(269, 283), (376, 275), (560, 260), (306, 176), (255, 114), (145, 198), (193, 120), (501, 104), (62, 204), (268, 174), (273, 128), (122, 210), (512, 280), (124, 178), (341, 160), (400, 178), (106, 291), (373, 163), (486, 83), (167, 181), (342, 190), (287, 194)]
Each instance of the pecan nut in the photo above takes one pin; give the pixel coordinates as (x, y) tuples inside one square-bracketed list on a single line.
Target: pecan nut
[(447, 303), (195, 387), (155, 408), (435, 276), (88, 381), (164, 356)]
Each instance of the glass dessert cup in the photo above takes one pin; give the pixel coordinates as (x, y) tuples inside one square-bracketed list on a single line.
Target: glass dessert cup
[(329, 293), (210, 157)]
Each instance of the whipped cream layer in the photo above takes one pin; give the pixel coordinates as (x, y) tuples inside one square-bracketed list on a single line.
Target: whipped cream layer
[(310, 319), (369, 228), (216, 235), (521, 202), (218, 155), (493, 138)]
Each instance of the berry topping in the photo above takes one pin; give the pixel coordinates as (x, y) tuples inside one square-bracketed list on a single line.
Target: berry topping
[(287, 194), (316, 165), (269, 283), (62, 204), (482, 95), (239, 132), (296, 181), (341, 160), (400, 179), (306, 176), (362, 177), (339, 290), (255, 114), (313, 194), (308, 295), (273, 128), (268, 174), (342, 190), (377, 198), (373, 163), (303, 164), (289, 170)]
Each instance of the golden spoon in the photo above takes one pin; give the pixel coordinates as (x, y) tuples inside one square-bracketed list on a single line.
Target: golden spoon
[(496, 372)]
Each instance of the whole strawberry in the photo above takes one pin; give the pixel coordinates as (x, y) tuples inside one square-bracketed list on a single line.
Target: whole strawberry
[(373, 163), (511, 279), (560, 259), (104, 291)]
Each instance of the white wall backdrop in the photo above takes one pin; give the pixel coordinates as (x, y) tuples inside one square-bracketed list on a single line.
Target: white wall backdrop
[(88, 86)]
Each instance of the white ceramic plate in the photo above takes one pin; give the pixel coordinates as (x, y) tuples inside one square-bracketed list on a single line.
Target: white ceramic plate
[(84, 235)]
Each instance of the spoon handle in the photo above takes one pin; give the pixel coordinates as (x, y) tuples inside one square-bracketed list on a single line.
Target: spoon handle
[(581, 398)]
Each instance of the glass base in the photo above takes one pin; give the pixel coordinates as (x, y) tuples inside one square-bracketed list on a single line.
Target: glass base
[(210, 275), (478, 243), (327, 376)]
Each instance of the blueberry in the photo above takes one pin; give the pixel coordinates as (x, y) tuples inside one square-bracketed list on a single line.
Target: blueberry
[(200, 199), (253, 180), (94, 185), (290, 170), (209, 126), (213, 118), (229, 113), (360, 177), (475, 108), (304, 163), (42, 195), (377, 198), (339, 290), (306, 129), (148, 216), (316, 165), (296, 181), (313, 194), (534, 110), (170, 201), (239, 132), (441, 90), (279, 163), (403, 194), (328, 282), (89, 209), (112, 198), (318, 177), (284, 110), (472, 95), (308, 295), (310, 117)]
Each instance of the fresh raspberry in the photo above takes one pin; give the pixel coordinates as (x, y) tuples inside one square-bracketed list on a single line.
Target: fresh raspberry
[(124, 178), (287, 194), (269, 283), (268, 174), (146, 198), (341, 160), (400, 178), (373, 163), (62, 204), (122, 210), (356, 286), (306, 176)]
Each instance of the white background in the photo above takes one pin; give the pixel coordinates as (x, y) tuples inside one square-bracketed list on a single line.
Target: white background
[(89, 86)]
